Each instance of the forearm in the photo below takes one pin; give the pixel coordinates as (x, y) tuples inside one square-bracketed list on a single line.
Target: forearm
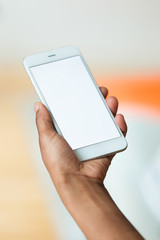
[(93, 209)]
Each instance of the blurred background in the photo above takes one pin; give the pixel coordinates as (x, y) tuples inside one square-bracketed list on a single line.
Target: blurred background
[(120, 42)]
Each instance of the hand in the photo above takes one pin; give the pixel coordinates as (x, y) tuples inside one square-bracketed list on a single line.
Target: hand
[(80, 184), (59, 158)]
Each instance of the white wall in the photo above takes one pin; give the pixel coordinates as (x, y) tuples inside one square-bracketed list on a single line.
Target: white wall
[(120, 34)]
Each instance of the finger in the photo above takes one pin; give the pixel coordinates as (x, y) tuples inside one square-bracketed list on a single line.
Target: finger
[(104, 91), (43, 120), (119, 118), (113, 104)]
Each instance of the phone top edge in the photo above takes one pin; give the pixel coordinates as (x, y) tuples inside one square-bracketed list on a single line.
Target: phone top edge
[(58, 52)]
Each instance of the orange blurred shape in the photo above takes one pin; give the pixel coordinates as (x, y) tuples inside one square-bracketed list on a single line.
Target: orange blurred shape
[(139, 90)]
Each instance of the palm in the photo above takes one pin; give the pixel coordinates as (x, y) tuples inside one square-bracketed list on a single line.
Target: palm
[(95, 169)]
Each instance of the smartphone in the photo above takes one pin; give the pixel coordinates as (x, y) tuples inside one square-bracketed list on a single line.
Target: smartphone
[(79, 112)]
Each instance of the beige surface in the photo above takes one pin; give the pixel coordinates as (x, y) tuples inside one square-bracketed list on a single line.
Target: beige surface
[(23, 213)]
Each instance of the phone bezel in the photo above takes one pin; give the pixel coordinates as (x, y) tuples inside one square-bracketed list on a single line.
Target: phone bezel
[(92, 151)]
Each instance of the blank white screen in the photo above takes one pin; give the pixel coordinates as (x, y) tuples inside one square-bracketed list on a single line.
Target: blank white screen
[(75, 102)]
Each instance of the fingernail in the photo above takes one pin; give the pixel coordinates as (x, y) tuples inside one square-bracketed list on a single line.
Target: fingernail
[(36, 107)]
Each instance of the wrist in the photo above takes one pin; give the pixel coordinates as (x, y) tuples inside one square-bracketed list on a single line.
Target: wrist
[(86, 198), (73, 184)]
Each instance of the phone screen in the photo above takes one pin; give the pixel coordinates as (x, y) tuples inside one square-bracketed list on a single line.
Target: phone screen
[(74, 101)]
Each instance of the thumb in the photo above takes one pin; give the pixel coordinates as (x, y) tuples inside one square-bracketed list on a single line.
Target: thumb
[(43, 120), (57, 155)]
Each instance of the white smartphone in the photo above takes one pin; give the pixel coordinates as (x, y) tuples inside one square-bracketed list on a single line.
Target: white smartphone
[(79, 112)]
